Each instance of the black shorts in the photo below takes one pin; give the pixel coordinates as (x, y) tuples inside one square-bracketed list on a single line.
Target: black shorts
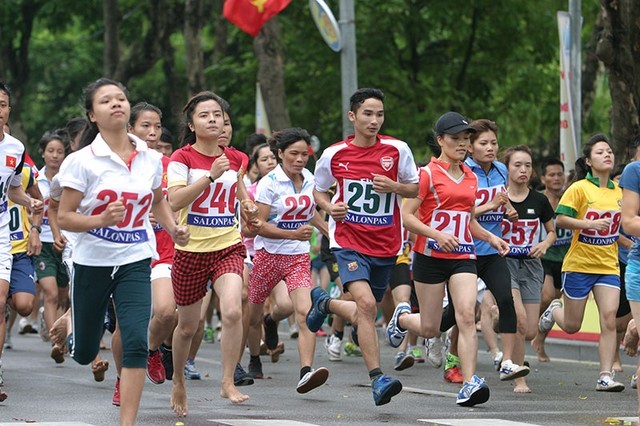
[(623, 307), (332, 266), (554, 270), (430, 270), (401, 275)]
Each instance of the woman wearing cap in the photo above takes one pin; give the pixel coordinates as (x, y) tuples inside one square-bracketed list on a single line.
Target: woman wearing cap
[(444, 250)]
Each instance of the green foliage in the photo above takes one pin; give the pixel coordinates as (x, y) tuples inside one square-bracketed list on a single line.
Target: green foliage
[(484, 58)]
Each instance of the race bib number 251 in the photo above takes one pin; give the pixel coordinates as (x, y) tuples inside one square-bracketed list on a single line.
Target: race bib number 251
[(366, 206)]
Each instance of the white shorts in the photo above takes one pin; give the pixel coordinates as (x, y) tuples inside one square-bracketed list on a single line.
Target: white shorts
[(480, 295), (161, 270), (6, 260)]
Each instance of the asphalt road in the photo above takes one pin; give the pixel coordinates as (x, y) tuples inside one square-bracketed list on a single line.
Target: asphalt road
[(563, 393)]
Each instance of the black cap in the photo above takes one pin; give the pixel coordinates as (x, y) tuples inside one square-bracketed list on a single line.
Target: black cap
[(453, 123)]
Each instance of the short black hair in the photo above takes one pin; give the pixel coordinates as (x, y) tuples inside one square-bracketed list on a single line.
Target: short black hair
[(550, 161), (362, 95), (4, 87)]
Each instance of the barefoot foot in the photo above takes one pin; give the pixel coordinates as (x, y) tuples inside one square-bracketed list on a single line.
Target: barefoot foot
[(179, 399), (98, 368), (520, 386), (538, 345), (232, 393), (61, 329)]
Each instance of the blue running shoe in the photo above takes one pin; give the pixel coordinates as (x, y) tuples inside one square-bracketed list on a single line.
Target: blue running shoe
[(384, 388), (315, 317), (474, 392), (190, 370), (395, 336)]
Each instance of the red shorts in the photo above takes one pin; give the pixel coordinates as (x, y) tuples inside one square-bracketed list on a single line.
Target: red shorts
[(269, 269), (191, 272)]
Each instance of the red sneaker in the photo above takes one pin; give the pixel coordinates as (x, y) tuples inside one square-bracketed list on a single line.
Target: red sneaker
[(321, 333), (453, 375), (155, 369), (116, 394)]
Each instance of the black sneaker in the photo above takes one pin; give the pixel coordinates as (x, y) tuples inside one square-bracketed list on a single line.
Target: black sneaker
[(167, 361), (270, 332), (241, 377), (255, 369)]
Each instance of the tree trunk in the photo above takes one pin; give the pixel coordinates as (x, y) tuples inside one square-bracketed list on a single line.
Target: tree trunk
[(267, 47), (193, 11), (14, 46), (111, 18), (619, 50), (221, 31), (591, 68)]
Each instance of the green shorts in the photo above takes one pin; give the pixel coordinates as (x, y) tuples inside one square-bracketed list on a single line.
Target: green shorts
[(49, 264)]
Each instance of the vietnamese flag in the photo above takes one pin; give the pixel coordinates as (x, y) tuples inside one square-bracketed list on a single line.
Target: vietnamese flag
[(10, 161), (251, 15)]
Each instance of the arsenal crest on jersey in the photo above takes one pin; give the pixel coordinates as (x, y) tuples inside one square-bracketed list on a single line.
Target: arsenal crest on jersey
[(386, 163)]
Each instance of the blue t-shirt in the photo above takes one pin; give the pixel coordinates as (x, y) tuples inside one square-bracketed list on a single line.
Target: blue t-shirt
[(630, 180), (489, 184)]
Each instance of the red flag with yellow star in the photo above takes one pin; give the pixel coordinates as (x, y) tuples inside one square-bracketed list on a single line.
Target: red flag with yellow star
[(10, 161), (251, 15)]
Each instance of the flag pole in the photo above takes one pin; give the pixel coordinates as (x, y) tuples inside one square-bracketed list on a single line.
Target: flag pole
[(575, 75), (348, 60)]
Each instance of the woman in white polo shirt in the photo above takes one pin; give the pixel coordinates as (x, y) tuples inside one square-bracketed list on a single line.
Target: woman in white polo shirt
[(286, 206), (109, 188)]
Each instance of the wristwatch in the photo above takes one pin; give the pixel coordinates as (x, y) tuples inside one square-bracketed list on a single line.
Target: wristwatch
[(208, 176), (37, 228)]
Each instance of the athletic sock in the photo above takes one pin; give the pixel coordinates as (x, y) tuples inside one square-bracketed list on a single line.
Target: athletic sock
[(304, 370), (374, 374)]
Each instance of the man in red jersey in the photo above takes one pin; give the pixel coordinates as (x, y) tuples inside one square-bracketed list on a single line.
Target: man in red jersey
[(372, 172)]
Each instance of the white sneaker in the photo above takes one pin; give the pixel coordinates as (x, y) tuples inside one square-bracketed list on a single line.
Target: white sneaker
[(7, 342), (634, 382), (434, 347), (497, 359), (42, 325), (546, 321), (509, 370), (24, 326), (294, 331), (333, 344), (607, 384), (312, 380)]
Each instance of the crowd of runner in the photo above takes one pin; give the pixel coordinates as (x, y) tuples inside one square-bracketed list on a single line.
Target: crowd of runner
[(122, 232)]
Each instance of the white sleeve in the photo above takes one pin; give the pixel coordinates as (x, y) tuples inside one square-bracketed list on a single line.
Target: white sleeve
[(264, 191), (177, 174), (72, 173), (407, 169), (323, 176)]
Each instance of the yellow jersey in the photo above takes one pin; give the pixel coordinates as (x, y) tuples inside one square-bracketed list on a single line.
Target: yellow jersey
[(591, 251), (19, 225)]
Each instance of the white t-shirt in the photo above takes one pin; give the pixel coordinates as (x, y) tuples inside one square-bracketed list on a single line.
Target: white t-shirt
[(55, 192), (11, 161), (289, 209), (103, 177), (45, 188)]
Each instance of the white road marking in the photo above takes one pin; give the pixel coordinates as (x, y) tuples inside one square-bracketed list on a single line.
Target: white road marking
[(253, 422), (474, 422)]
